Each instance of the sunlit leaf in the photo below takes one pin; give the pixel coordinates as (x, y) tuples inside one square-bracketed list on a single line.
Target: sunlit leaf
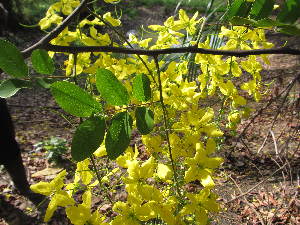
[(110, 88), (10, 87), (11, 60), (118, 135), (141, 88), (87, 138), (74, 100), (144, 120), (41, 62)]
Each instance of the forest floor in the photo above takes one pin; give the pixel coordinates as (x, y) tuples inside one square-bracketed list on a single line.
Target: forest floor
[(259, 181)]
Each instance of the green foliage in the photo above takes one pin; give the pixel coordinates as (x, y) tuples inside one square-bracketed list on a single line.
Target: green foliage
[(74, 100), (290, 12), (55, 147), (141, 88), (261, 9), (87, 138), (118, 135), (144, 120), (31, 10), (11, 86), (11, 60), (110, 88), (239, 8), (41, 62), (256, 14)]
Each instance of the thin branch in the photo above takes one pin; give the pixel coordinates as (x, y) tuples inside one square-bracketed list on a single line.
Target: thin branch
[(248, 203), (255, 186), (166, 124), (156, 52), (288, 89), (55, 32)]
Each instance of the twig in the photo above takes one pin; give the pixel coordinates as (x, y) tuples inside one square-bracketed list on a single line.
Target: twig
[(56, 31), (255, 186), (248, 203), (167, 128), (33, 106), (155, 52), (288, 89)]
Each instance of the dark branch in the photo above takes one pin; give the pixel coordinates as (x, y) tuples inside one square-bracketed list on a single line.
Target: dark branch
[(44, 44), (156, 52), (54, 33)]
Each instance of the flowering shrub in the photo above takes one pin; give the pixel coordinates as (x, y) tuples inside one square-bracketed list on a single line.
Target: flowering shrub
[(151, 94), (145, 92)]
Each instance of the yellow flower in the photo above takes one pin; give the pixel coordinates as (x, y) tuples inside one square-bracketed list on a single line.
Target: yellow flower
[(201, 167), (200, 204), (112, 1), (132, 212), (114, 22), (81, 214), (185, 22), (164, 172), (46, 188), (58, 197)]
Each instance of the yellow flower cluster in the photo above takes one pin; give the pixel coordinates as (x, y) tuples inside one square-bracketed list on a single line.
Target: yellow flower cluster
[(177, 154)]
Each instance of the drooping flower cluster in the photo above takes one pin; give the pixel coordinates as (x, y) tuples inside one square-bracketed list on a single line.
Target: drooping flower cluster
[(180, 149)]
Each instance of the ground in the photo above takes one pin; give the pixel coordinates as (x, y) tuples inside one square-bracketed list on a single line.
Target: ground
[(259, 180)]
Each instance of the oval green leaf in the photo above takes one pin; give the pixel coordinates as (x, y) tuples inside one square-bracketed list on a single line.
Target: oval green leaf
[(141, 88), (118, 135), (11, 60), (110, 88), (74, 100), (144, 120), (10, 87), (87, 138), (41, 62)]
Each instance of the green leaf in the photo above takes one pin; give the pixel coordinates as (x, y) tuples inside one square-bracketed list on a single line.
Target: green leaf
[(238, 8), (267, 23), (141, 88), (41, 62), (118, 135), (74, 100), (261, 9), (237, 21), (10, 87), (144, 120), (110, 88), (290, 29), (87, 138), (11, 60), (290, 12)]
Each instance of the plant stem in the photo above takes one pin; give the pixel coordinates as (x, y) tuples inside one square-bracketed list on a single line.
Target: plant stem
[(99, 179), (167, 129)]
